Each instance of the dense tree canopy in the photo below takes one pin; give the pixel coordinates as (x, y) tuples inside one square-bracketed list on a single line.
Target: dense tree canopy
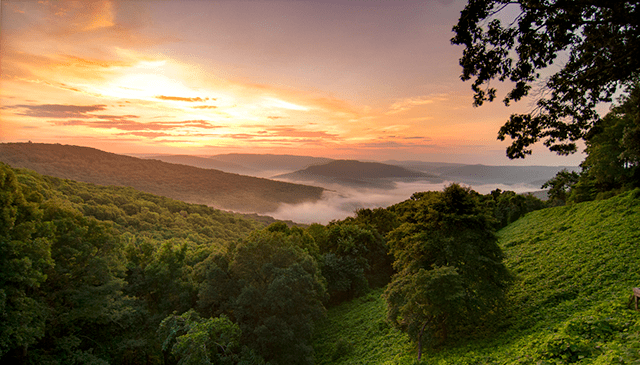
[(595, 42), (450, 273), (271, 287), (93, 274), (25, 255)]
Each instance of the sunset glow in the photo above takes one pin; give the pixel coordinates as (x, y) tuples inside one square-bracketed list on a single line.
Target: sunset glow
[(344, 79)]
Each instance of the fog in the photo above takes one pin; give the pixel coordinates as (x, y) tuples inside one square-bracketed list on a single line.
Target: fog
[(340, 202)]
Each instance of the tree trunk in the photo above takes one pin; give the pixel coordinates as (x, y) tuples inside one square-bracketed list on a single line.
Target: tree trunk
[(420, 340)]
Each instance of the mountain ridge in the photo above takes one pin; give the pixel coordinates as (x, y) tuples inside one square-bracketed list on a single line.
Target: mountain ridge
[(215, 188), (357, 174)]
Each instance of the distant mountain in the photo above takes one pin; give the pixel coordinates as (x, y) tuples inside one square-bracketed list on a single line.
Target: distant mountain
[(429, 167), (269, 162), (187, 183), (481, 174), (357, 174), (206, 163)]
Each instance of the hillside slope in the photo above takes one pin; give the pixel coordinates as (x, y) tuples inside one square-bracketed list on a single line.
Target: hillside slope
[(190, 184), (574, 267), (357, 173), (270, 162), (204, 163)]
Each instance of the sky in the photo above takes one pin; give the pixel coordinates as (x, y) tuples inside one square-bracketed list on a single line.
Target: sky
[(368, 80)]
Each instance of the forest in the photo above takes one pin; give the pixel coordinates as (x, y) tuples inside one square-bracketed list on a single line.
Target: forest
[(106, 274), (103, 274), (94, 274)]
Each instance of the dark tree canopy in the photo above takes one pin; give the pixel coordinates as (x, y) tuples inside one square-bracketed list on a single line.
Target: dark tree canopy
[(450, 276), (596, 43)]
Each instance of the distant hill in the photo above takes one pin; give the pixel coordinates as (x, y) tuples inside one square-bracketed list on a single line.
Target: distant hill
[(482, 174), (206, 163), (269, 162), (429, 167), (187, 183), (357, 174), (485, 174)]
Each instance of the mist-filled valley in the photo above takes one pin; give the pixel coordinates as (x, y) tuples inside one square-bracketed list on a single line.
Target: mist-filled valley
[(155, 262), (351, 185), (302, 189)]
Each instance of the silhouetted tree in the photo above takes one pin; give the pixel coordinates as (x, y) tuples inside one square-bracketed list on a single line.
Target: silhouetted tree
[(516, 41)]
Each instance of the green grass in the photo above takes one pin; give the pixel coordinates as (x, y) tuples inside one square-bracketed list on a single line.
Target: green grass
[(357, 332), (575, 267)]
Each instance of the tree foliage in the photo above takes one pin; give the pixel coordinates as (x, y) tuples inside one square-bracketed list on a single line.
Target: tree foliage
[(560, 186), (25, 256), (88, 272), (596, 42), (613, 161), (272, 289), (612, 164), (450, 273), (189, 339)]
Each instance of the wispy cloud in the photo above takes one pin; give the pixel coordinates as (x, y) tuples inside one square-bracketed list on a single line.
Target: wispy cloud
[(407, 104), (180, 98), (123, 124), (289, 131), (151, 135), (205, 107), (57, 110)]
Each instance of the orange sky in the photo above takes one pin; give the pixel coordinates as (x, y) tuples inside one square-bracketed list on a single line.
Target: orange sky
[(344, 79)]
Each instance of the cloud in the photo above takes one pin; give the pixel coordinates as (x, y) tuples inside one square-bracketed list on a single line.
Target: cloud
[(151, 135), (205, 107), (287, 131), (124, 124), (409, 103), (179, 98), (341, 202), (396, 142), (57, 110)]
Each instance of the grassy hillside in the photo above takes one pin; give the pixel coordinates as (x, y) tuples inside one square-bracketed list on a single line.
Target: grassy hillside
[(190, 184), (574, 267)]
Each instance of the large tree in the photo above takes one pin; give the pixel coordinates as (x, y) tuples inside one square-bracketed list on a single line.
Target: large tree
[(596, 43), (450, 276), (269, 285)]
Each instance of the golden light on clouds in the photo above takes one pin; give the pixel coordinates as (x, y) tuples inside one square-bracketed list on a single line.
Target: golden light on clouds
[(336, 80)]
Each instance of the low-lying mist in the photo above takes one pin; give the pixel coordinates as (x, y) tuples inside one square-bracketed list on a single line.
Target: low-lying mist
[(340, 202)]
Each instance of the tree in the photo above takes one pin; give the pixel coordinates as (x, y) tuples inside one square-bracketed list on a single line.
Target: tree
[(450, 274), (613, 161), (25, 256), (600, 40), (190, 339), (271, 287), (560, 186)]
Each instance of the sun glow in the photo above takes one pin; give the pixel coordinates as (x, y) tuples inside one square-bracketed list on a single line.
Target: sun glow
[(136, 75)]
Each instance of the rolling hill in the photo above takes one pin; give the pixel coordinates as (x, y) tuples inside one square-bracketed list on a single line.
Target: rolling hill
[(574, 268), (205, 163), (486, 174), (187, 183), (269, 163), (357, 174)]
